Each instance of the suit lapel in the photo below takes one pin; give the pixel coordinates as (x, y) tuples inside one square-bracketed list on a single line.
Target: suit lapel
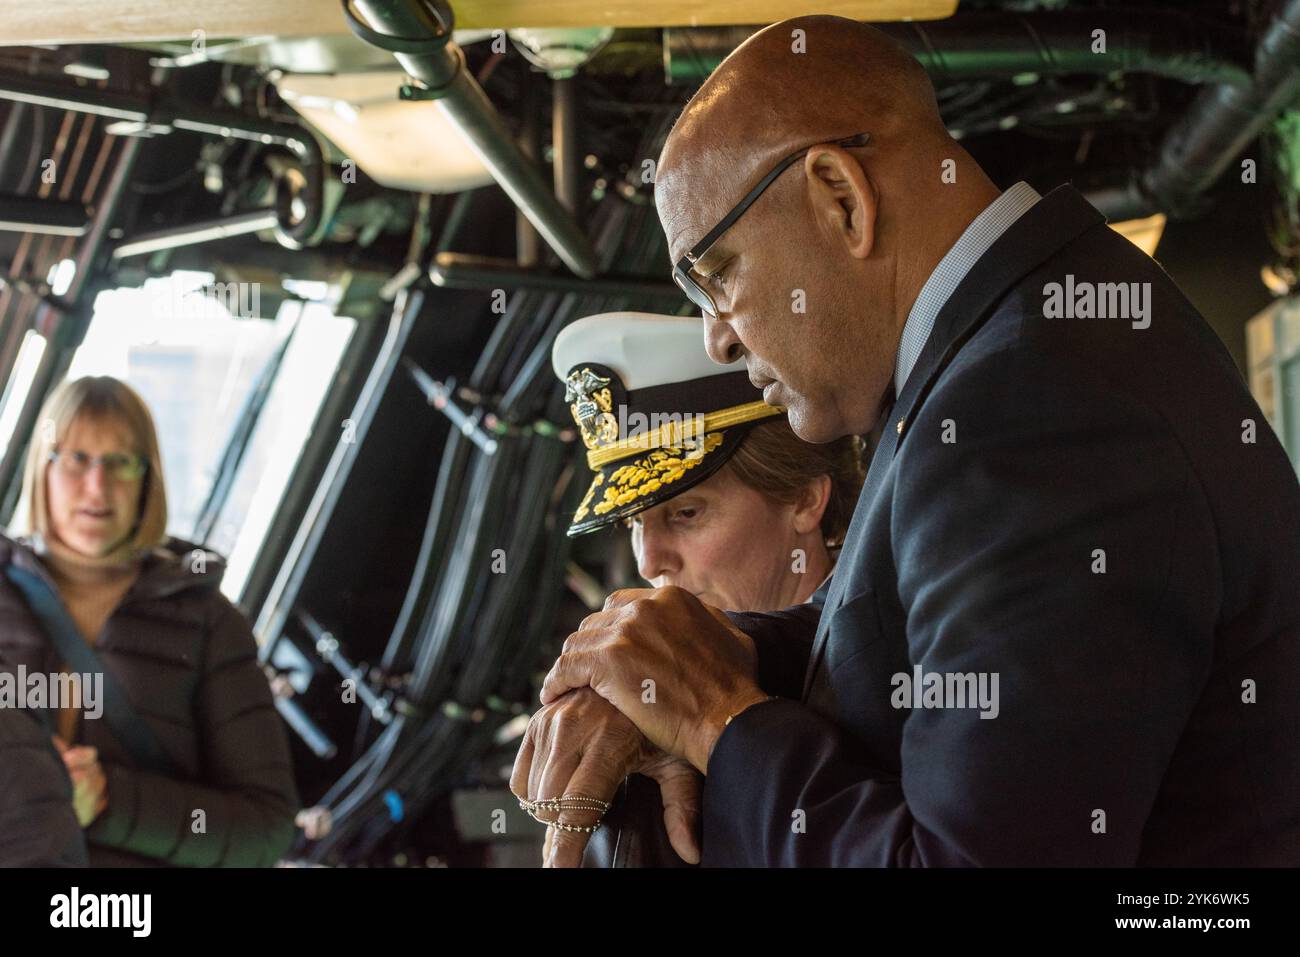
[(1051, 223)]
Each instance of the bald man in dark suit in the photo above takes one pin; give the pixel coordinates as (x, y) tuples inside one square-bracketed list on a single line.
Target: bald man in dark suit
[(1065, 625)]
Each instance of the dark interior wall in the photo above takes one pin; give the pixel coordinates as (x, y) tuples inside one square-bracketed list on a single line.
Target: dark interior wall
[(1216, 259), (358, 581), (1215, 256), (364, 566)]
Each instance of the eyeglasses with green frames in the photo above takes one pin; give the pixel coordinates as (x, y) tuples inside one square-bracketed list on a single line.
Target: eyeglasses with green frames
[(119, 466)]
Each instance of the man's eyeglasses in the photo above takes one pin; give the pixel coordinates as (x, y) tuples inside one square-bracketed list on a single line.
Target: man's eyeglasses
[(682, 271), (120, 466)]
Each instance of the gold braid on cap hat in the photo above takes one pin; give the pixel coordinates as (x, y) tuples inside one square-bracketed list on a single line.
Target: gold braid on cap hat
[(673, 449), (675, 434)]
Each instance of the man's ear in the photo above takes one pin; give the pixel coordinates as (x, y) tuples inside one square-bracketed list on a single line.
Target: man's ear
[(811, 504), (844, 199)]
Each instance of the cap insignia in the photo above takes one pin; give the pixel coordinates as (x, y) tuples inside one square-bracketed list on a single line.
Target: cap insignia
[(592, 405)]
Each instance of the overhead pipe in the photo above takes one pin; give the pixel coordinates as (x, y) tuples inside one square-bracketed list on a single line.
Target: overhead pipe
[(1220, 122), (208, 230), (999, 44), (459, 271), (79, 99), (298, 223), (528, 245), (49, 217), (1223, 120), (1243, 93), (418, 34), (564, 142)]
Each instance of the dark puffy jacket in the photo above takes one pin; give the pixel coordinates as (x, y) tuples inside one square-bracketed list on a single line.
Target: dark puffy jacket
[(186, 659), (37, 825)]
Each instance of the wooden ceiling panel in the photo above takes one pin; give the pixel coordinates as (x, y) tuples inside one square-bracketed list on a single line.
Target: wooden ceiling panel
[(121, 21)]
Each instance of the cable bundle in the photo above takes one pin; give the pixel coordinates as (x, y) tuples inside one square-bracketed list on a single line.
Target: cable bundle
[(469, 636)]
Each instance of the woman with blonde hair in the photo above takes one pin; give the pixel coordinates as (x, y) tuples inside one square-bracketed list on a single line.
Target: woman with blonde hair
[(167, 728)]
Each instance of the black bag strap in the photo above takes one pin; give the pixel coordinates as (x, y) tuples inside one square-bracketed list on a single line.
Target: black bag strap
[(124, 721)]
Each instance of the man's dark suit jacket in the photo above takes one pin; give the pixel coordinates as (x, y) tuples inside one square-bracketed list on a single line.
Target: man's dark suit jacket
[(1149, 714)]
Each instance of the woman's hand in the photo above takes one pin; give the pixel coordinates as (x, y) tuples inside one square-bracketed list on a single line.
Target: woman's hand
[(89, 785), (580, 744)]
